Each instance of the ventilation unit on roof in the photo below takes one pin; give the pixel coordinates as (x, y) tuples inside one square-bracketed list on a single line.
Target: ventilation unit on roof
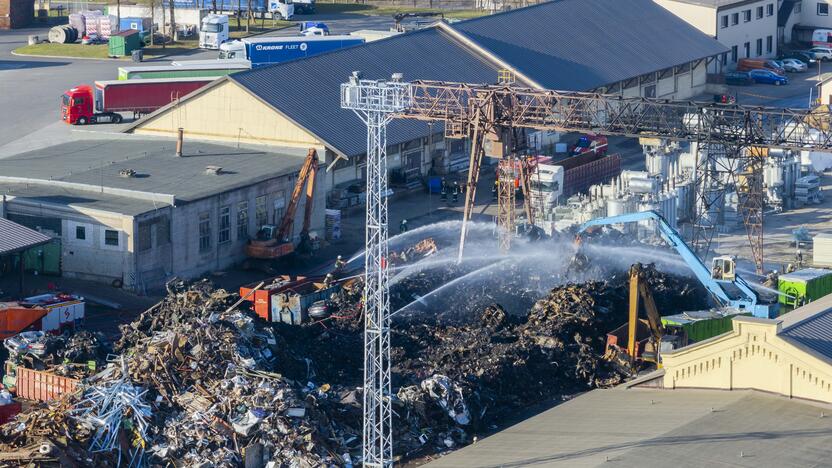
[(213, 170), (127, 173)]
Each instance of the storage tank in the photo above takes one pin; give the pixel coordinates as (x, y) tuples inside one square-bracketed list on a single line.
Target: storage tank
[(667, 201), (643, 185), (658, 164), (684, 200), (647, 228)]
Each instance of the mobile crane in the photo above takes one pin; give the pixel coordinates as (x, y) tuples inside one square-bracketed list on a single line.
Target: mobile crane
[(718, 280), (273, 242)]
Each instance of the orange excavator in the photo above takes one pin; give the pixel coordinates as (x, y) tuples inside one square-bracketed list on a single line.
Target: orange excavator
[(273, 242)]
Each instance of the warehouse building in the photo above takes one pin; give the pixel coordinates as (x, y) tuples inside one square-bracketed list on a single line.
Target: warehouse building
[(626, 47), (133, 213)]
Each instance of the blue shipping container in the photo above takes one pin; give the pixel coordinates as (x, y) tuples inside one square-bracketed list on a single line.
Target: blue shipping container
[(139, 24), (266, 51)]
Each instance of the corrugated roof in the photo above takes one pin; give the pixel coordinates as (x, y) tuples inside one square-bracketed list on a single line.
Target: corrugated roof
[(810, 327), (307, 91), (565, 44), (14, 237), (583, 44)]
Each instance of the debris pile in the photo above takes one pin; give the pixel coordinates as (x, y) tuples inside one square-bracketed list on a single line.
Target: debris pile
[(77, 355)]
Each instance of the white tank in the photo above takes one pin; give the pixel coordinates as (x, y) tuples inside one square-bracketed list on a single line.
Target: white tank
[(657, 164), (773, 175), (643, 185), (684, 201)]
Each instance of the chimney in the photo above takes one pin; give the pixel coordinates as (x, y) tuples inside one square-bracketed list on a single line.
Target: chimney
[(179, 137)]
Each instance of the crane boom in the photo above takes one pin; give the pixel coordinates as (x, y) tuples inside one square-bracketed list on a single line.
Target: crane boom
[(569, 111), (748, 302), (306, 177)]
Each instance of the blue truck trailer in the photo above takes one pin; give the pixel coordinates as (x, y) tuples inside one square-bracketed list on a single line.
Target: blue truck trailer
[(270, 50)]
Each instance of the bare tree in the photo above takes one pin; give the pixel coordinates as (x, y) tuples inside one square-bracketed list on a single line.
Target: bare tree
[(248, 17), (214, 6), (239, 12), (152, 20), (172, 22)]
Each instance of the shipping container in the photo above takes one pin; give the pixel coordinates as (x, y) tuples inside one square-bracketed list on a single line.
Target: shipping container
[(822, 250), (221, 68), (42, 386), (291, 305), (124, 43), (804, 286), (143, 96)]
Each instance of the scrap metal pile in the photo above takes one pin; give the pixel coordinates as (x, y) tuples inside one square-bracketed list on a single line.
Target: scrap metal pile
[(196, 380)]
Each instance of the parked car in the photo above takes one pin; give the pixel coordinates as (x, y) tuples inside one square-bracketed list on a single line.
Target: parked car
[(738, 78), (794, 65), (822, 53), (804, 56), (768, 77), (748, 64)]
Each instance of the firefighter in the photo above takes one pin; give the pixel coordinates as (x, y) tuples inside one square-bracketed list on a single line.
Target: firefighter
[(799, 258), (456, 191), (443, 194), (328, 279), (403, 226), (339, 263)]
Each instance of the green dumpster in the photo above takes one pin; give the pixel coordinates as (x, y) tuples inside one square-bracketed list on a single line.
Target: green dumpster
[(124, 43), (700, 325), (806, 285)]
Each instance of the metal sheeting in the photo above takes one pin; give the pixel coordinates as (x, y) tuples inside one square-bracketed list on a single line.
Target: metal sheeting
[(307, 90), (584, 44), (814, 333), (14, 237)]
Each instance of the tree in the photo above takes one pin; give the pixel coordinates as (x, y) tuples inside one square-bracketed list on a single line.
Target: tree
[(248, 16), (214, 6), (239, 12), (172, 21), (152, 20)]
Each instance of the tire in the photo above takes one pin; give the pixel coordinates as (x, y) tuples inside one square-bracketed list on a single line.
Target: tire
[(777, 83), (117, 119), (278, 16), (82, 121)]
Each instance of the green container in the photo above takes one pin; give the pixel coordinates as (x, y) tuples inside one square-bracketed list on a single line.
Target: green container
[(700, 325), (807, 285), (124, 43), (177, 71)]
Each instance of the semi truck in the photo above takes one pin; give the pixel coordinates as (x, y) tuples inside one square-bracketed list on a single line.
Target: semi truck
[(213, 32), (183, 70), (270, 50), (103, 102), (554, 181)]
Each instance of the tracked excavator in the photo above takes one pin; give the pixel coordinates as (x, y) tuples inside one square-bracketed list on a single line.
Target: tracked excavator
[(727, 287), (274, 242)]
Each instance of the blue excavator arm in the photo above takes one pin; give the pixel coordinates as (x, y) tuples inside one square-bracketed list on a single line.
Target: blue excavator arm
[(749, 302)]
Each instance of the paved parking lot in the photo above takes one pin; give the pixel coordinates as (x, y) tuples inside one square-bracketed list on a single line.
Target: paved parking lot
[(31, 86), (796, 94)]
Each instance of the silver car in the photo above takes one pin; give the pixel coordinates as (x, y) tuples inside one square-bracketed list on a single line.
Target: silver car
[(794, 65)]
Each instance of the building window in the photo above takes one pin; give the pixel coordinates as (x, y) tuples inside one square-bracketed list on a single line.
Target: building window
[(110, 237), (769, 44), (770, 9), (242, 220), (759, 12), (260, 213), (823, 9), (759, 47), (723, 21), (204, 232), (747, 47), (224, 231), (734, 54), (798, 7), (80, 232), (735, 19), (746, 16)]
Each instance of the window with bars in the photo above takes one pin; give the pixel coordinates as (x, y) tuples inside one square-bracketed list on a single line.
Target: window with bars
[(204, 232), (224, 229), (261, 216), (242, 220)]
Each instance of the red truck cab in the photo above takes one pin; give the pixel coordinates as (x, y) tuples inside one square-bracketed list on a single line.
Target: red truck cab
[(589, 144), (78, 108)]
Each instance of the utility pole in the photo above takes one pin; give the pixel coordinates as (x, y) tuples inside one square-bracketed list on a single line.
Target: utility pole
[(375, 102)]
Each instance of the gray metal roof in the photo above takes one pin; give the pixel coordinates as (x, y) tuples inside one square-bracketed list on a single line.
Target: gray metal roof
[(85, 166), (46, 195), (307, 91), (584, 44), (810, 327), (659, 428), (564, 44), (14, 237)]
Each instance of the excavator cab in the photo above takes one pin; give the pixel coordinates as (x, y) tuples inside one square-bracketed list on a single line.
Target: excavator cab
[(266, 232), (724, 268)]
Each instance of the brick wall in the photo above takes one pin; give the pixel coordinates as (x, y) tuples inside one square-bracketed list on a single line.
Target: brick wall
[(16, 13)]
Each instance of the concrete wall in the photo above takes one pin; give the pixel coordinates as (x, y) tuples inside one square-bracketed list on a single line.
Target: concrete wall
[(751, 356), (758, 28), (88, 258), (230, 114), (700, 17)]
